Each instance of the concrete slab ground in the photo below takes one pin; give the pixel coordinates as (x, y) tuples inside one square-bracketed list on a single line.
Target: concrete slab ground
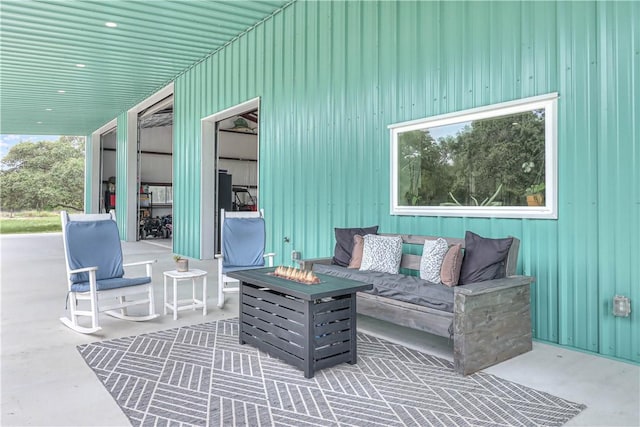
[(45, 382)]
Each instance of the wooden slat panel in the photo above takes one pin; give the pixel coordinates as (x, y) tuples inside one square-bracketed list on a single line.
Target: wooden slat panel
[(491, 327), (332, 350), (274, 351), (332, 305), (414, 239), (410, 315), (343, 325), (294, 305), (274, 318), (273, 308), (494, 286), (332, 316), (334, 360), (411, 262), (276, 297), (274, 341), (284, 334), (333, 338)]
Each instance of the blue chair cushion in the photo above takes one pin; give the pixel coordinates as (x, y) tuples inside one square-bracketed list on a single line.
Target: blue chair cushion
[(119, 282), (243, 242), (94, 244)]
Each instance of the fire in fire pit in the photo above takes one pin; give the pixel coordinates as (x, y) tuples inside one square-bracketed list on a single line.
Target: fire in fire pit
[(297, 275)]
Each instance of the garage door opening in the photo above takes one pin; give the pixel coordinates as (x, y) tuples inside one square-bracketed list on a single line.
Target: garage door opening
[(107, 193), (230, 168), (155, 177)]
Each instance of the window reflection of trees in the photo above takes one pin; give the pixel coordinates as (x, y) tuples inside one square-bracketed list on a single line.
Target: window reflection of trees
[(488, 162)]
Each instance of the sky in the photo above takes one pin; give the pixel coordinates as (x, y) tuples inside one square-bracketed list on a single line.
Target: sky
[(8, 141), (447, 130)]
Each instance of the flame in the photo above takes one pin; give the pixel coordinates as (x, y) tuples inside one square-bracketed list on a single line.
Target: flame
[(297, 275)]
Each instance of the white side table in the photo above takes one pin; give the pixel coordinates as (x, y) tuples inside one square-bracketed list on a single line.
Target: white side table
[(185, 304)]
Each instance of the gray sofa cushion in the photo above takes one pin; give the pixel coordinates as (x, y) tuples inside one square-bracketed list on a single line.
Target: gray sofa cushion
[(396, 286)]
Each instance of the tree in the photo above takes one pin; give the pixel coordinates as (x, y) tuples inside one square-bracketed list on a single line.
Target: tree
[(424, 169), (43, 175), (507, 151)]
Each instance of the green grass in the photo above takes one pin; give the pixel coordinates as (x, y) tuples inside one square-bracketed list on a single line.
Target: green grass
[(30, 222)]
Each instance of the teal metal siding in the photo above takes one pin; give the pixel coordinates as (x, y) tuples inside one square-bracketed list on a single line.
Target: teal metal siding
[(333, 75), (618, 185), (577, 270), (186, 163)]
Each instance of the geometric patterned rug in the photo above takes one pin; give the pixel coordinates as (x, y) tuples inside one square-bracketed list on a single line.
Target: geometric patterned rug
[(199, 375)]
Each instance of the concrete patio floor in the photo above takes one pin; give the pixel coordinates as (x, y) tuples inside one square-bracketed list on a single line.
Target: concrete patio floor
[(45, 382)]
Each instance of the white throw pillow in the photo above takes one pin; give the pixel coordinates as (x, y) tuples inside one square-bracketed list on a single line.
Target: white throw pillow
[(433, 254), (381, 253)]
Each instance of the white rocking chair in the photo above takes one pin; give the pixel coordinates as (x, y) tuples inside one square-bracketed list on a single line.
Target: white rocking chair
[(95, 271), (242, 241)]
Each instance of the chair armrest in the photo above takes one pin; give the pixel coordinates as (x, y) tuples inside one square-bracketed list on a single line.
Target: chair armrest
[(218, 256), (307, 264), (147, 264), (82, 270), (131, 264), (270, 256), (92, 277)]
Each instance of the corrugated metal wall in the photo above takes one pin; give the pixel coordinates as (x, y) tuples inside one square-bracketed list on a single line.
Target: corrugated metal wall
[(333, 75), (618, 185)]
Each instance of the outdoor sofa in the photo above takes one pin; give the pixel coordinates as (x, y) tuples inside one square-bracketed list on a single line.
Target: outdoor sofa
[(487, 317)]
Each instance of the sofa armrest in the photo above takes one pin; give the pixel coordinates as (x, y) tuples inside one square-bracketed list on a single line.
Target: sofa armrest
[(492, 322), (494, 285), (307, 264)]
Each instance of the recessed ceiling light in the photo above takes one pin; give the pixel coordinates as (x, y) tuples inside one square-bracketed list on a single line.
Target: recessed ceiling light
[(60, 91), (48, 109), (39, 123), (111, 24), (80, 65)]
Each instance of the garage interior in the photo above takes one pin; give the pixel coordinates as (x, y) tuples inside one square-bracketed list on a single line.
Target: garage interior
[(237, 165)]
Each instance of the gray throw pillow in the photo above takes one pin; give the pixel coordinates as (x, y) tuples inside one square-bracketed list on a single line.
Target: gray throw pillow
[(433, 254), (344, 243), (484, 259), (381, 253)]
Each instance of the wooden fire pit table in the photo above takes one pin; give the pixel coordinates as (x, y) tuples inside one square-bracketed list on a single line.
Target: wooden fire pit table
[(309, 326)]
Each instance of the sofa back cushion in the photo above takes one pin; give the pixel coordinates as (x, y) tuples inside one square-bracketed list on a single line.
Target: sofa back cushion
[(344, 243), (484, 259)]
